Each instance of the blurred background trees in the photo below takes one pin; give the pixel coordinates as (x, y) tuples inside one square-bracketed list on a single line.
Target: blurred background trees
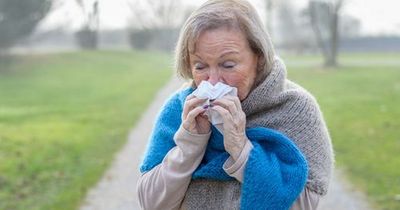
[(19, 18), (293, 29), (315, 27), (87, 36), (325, 21), (155, 23)]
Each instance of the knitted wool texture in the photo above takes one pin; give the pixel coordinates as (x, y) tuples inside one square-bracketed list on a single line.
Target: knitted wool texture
[(275, 173), (276, 103), (282, 105)]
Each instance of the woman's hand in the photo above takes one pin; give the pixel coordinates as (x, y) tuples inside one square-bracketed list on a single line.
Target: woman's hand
[(234, 118), (193, 118)]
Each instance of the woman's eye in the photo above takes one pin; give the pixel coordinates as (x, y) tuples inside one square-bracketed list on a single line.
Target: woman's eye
[(199, 66), (229, 64)]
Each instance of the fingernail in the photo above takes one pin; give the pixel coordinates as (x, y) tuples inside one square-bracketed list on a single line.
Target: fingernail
[(205, 106)]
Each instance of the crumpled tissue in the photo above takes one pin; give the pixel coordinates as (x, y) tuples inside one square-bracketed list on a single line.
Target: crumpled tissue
[(211, 92)]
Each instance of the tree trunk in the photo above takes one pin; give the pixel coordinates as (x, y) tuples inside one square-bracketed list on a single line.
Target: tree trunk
[(331, 61), (328, 45), (317, 32)]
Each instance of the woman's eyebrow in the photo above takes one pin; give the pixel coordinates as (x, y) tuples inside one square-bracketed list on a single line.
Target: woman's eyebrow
[(198, 56), (228, 53)]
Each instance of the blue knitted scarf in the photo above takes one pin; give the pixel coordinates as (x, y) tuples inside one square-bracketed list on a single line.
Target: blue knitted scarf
[(275, 173)]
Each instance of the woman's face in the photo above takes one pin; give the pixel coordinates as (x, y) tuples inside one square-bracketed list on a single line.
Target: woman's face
[(224, 55)]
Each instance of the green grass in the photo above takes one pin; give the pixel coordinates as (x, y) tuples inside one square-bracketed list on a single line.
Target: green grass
[(63, 117), (362, 107), (368, 60)]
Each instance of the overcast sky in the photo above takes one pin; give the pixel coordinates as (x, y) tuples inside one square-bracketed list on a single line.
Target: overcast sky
[(376, 16)]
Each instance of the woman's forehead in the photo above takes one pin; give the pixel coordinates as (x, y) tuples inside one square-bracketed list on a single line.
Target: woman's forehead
[(222, 37)]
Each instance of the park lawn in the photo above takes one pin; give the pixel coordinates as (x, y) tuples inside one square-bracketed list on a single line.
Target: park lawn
[(349, 59), (362, 108), (63, 117)]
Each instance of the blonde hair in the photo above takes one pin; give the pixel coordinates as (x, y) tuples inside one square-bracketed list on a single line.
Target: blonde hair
[(214, 14)]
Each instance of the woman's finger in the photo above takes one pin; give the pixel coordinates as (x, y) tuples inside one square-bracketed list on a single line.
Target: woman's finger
[(195, 112), (237, 121), (241, 116), (235, 100), (227, 104), (190, 104), (189, 121), (225, 114), (190, 97)]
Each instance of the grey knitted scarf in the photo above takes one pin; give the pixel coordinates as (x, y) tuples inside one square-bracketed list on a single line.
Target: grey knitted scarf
[(282, 105)]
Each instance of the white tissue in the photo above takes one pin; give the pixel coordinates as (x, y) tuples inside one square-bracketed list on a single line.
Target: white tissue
[(211, 92)]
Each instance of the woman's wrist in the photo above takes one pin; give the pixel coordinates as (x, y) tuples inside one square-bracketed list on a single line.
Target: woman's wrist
[(191, 143), (235, 168), (237, 149)]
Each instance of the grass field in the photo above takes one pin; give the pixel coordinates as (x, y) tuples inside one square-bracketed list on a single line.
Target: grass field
[(362, 107), (63, 117)]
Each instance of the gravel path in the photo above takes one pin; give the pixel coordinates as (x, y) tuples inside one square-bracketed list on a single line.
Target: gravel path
[(117, 188), (343, 196)]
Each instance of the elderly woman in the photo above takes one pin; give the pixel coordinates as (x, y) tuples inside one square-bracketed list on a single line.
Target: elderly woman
[(272, 151)]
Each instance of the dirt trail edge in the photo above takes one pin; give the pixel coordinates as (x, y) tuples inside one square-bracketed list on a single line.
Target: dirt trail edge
[(117, 188)]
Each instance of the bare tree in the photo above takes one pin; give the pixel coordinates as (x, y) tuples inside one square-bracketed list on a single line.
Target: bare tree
[(88, 34), (19, 19), (325, 16), (154, 22), (154, 13)]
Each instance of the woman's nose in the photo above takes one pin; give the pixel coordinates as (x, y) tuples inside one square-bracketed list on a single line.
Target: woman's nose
[(214, 77)]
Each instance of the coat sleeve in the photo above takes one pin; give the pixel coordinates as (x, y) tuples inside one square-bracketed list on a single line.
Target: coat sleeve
[(164, 186), (236, 168), (307, 200)]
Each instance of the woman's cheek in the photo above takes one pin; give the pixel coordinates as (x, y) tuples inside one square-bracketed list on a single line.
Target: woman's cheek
[(197, 77), (242, 83), (238, 80)]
